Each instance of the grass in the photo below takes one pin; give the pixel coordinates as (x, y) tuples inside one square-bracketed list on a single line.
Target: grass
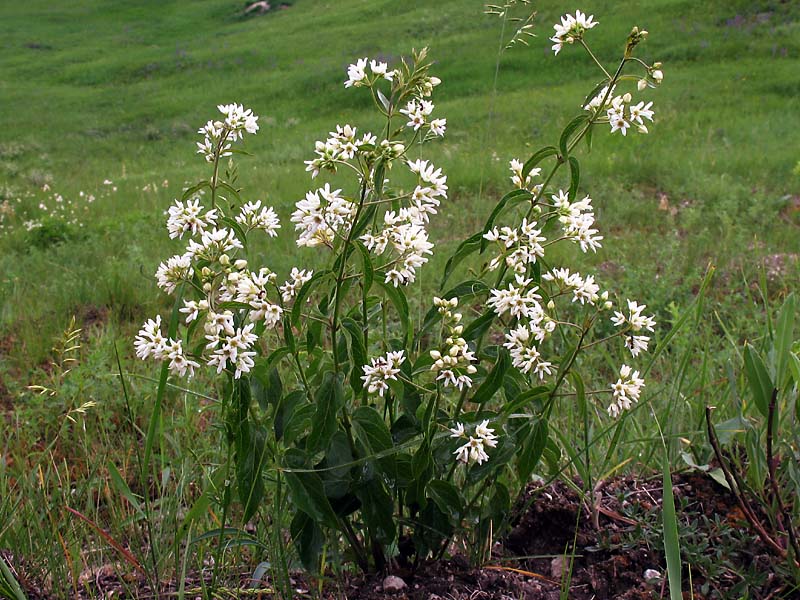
[(92, 93)]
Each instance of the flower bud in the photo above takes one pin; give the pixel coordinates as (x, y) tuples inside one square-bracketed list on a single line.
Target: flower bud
[(207, 287), (224, 260), (607, 305), (458, 329), (657, 76), (471, 369), (551, 305), (641, 85), (205, 272), (627, 98), (240, 264), (436, 355)]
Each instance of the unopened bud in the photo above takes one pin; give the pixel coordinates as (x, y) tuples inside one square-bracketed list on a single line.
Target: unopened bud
[(551, 305), (224, 260), (436, 355), (240, 264), (657, 76), (607, 305), (641, 85), (205, 272), (626, 98), (207, 287)]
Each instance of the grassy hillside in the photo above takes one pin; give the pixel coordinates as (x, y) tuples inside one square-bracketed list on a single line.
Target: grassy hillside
[(103, 100), (92, 92)]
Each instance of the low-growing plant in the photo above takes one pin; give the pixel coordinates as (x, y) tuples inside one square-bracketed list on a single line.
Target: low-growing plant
[(766, 483), (391, 433)]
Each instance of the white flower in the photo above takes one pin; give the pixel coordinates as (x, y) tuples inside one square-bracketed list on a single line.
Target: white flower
[(515, 299), (356, 73), (571, 29), (177, 269), (183, 218), (634, 318), (150, 341), (253, 216), (296, 280), (179, 364), (382, 369), (321, 215), (438, 127), (213, 244), (381, 69), (626, 391)]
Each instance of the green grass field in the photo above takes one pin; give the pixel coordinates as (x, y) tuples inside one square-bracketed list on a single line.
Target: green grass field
[(93, 92)]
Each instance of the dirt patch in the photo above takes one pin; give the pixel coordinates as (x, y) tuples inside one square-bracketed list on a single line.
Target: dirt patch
[(557, 542)]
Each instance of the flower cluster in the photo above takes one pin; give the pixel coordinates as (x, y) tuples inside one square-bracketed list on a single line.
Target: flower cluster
[(343, 145), (584, 290), (516, 167), (453, 362), (253, 216), (218, 136), (626, 391), (577, 219), (519, 247), (524, 341), (357, 73), (297, 278), (322, 215), (620, 113), (384, 368), (189, 217), (634, 321), (151, 342), (521, 300), (571, 29), (475, 448)]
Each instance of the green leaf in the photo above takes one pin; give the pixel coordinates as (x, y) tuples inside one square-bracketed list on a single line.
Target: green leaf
[(571, 128), (338, 459), (758, 378), (447, 497), (494, 380), (329, 399), (358, 353), (122, 487), (308, 539), (302, 294), (532, 448), (398, 298), (371, 430), (266, 387), (467, 247), (194, 189), (784, 336), (537, 157), (227, 186), (574, 178), (506, 201), (377, 510), (369, 270), (672, 547), (236, 228), (308, 492), (251, 456), (298, 422), (286, 407), (479, 326)]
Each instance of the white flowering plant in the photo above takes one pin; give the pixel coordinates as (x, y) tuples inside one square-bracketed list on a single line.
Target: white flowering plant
[(389, 435)]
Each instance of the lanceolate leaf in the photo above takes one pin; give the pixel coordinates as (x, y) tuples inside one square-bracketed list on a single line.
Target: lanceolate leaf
[(494, 379), (250, 460), (538, 157), (505, 202), (300, 300), (358, 352), (574, 178), (398, 298), (308, 492), (329, 399), (532, 448), (570, 129), (758, 378)]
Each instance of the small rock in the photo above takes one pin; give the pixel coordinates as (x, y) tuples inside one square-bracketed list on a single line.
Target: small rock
[(393, 584), (557, 567), (652, 576)]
